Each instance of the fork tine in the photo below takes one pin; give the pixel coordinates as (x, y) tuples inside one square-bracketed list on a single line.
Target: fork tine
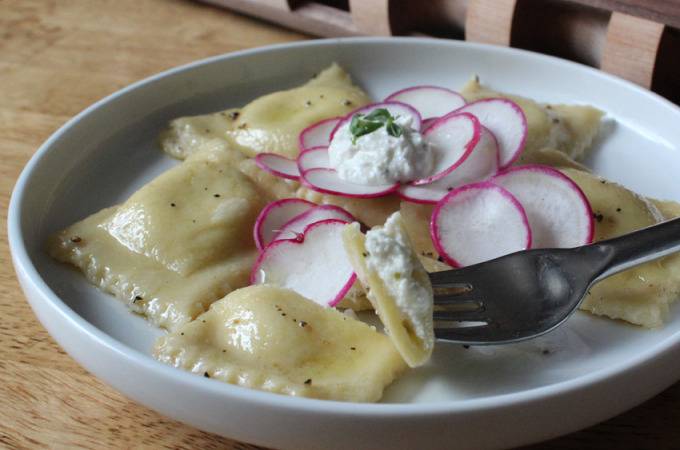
[(476, 333), (451, 278), (457, 298), (476, 315)]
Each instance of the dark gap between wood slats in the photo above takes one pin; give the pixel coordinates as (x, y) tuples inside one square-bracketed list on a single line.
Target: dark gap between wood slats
[(560, 28)]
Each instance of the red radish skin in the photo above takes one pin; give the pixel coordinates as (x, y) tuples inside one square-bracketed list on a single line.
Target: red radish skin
[(394, 108), (315, 264), (295, 226), (318, 134), (478, 222), (453, 138), (278, 165), (313, 158), (274, 216), (507, 122), (427, 123), (429, 101), (481, 164), (327, 181), (559, 212)]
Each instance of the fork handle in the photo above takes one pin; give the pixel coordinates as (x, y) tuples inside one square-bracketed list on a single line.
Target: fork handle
[(639, 247)]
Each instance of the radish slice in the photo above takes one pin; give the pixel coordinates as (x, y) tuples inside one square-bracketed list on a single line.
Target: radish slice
[(327, 181), (394, 108), (430, 101), (313, 158), (315, 265), (427, 123), (278, 165), (297, 225), (558, 211), (481, 164), (318, 134), (506, 121), (452, 139), (478, 222), (274, 216)]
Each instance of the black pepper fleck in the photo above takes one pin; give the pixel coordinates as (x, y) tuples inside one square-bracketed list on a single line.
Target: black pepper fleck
[(234, 115), (308, 381), (599, 217), (173, 205), (618, 209), (347, 103), (546, 352), (465, 346), (216, 195), (308, 103), (364, 254), (137, 298), (206, 374), (243, 126), (76, 239), (352, 348), (303, 323)]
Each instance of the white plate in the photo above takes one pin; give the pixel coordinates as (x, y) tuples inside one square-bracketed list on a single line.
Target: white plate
[(475, 398)]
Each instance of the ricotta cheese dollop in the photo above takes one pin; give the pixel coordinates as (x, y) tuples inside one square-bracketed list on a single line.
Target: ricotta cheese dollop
[(390, 255), (379, 158)]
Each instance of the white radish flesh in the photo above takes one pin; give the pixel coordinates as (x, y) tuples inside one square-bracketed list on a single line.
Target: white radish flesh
[(396, 109), (315, 266), (318, 134), (452, 138), (274, 216), (327, 181), (480, 164), (278, 165), (559, 213), (430, 101), (297, 225), (506, 121), (313, 158), (478, 222)]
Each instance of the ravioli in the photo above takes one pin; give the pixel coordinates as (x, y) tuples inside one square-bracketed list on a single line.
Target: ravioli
[(174, 246), (641, 295), (275, 340), (398, 287), (271, 123), (570, 129)]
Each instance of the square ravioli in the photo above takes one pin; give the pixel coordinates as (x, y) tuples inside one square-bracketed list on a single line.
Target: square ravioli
[(641, 295), (174, 246), (270, 123), (270, 338), (569, 129)]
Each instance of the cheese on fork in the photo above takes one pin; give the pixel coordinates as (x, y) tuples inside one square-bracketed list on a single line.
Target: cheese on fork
[(271, 123), (396, 284), (269, 338), (174, 246)]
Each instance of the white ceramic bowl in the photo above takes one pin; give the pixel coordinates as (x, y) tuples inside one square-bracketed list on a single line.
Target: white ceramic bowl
[(477, 398)]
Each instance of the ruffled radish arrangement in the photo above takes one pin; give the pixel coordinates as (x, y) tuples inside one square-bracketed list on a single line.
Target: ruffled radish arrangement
[(301, 248), (470, 142), (483, 207)]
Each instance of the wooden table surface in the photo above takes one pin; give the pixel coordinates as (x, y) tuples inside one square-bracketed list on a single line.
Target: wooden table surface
[(56, 58)]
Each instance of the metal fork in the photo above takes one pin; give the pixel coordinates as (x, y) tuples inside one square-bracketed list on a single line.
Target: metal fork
[(529, 293)]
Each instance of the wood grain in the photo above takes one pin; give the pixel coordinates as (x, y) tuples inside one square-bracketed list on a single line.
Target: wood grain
[(631, 47), (56, 58), (490, 21)]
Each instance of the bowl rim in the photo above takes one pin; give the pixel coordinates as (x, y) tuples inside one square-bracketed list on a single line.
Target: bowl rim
[(24, 264)]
